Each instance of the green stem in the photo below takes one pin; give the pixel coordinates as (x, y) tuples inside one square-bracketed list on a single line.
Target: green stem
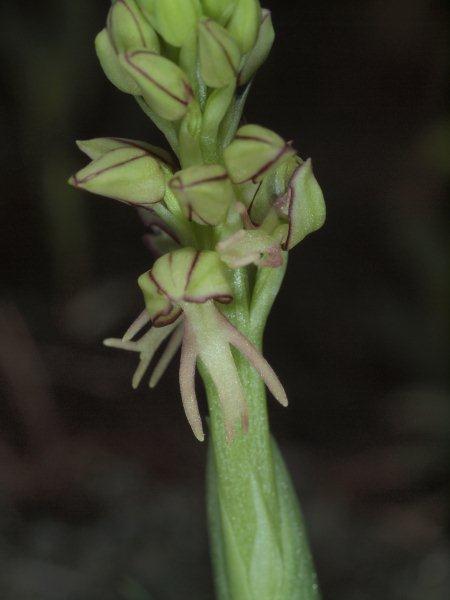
[(258, 543)]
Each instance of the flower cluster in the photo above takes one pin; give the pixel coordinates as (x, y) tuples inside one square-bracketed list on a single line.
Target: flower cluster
[(231, 197)]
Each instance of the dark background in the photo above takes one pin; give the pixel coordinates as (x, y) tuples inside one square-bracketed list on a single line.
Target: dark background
[(101, 488)]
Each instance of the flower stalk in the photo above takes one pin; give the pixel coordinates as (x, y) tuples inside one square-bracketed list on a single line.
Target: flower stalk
[(221, 216)]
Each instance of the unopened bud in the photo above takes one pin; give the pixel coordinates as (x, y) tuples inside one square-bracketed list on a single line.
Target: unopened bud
[(244, 23), (261, 49), (204, 192), (128, 29), (111, 66), (219, 10), (148, 9), (303, 205), (163, 84), (175, 20), (255, 152), (219, 54), (99, 146), (127, 174)]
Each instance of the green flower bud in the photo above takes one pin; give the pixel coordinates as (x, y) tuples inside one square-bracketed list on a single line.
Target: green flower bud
[(128, 174), (175, 20), (244, 24), (185, 275), (303, 205), (100, 146), (260, 51), (219, 10), (219, 54), (205, 193), (111, 66), (148, 9), (163, 84), (255, 152), (128, 29)]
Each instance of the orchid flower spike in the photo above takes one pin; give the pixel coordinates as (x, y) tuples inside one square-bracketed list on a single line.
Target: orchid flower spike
[(189, 283)]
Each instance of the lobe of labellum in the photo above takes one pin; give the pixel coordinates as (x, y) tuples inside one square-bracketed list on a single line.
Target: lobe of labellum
[(146, 346), (267, 374), (139, 323), (187, 382), (220, 364), (169, 352)]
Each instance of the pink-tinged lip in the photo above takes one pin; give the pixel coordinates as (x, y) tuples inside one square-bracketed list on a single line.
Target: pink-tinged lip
[(183, 101)]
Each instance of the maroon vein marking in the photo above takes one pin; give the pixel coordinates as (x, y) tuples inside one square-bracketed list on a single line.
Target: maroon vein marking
[(269, 164), (135, 144), (289, 215), (110, 168), (219, 43), (222, 298), (161, 321), (182, 186), (249, 210), (133, 16), (159, 286), (192, 213), (191, 269), (128, 57)]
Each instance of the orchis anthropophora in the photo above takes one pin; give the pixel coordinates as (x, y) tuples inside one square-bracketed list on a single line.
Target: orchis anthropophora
[(222, 211)]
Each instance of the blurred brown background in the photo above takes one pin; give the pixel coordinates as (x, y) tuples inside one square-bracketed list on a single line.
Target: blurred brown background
[(101, 488)]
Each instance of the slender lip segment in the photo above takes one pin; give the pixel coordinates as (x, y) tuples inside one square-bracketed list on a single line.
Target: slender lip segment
[(130, 55), (188, 362)]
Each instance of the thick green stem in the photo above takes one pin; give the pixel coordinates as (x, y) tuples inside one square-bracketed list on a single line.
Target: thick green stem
[(259, 547)]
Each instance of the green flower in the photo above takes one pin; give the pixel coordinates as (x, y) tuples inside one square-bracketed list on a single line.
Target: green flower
[(128, 29), (260, 51), (254, 153), (219, 54), (244, 23), (128, 171), (163, 84), (188, 283), (303, 205), (111, 66), (205, 193), (175, 20)]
